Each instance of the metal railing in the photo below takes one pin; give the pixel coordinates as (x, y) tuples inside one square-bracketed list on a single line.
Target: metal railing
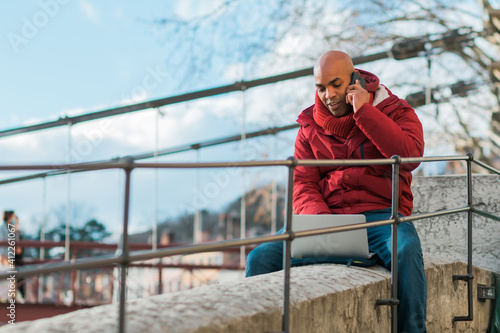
[(403, 49), (76, 247), (124, 257)]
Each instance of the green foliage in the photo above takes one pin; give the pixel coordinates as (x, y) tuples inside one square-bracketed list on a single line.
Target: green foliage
[(91, 231)]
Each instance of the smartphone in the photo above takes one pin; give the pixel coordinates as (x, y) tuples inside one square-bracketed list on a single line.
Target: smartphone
[(356, 76)]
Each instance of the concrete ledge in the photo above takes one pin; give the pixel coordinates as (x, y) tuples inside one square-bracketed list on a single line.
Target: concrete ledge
[(447, 235), (325, 298)]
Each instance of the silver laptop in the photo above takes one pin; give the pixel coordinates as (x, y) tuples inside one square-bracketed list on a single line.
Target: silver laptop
[(345, 244)]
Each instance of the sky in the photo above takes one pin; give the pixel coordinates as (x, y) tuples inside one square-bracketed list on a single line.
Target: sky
[(69, 57)]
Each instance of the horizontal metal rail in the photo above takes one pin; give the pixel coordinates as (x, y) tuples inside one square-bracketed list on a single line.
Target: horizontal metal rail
[(98, 261), (215, 142), (400, 50), (129, 163), (434, 214), (269, 131), (236, 86), (65, 166), (488, 215), (106, 260), (61, 169), (82, 245), (163, 152), (487, 167), (199, 145)]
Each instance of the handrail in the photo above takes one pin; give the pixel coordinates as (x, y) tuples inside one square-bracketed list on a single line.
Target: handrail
[(233, 87), (400, 50), (215, 246), (125, 257), (487, 167), (125, 163), (488, 215), (25, 243), (163, 152), (111, 259)]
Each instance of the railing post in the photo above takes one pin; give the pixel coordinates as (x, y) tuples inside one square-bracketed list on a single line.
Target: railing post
[(124, 251), (285, 323), (42, 237), (469, 277), (160, 277), (67, 240), (73, 278), (394, 301)]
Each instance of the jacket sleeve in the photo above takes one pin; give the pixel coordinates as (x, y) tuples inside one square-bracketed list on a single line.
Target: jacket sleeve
[(307, 197), (399, 133)]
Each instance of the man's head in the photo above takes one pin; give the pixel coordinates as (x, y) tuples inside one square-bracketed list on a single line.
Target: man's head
[(7, 215), (332, 73)]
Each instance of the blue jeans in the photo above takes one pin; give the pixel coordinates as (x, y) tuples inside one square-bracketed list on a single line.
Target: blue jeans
[(412, 284)]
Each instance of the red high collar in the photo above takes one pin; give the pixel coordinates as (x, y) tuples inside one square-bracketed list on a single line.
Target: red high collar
[(340, 126)]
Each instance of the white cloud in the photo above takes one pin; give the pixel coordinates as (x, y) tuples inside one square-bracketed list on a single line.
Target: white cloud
[(34, 121), (139, 94), (89, 11), (189, 9), (234, 72), (72, 112), (20, 143)]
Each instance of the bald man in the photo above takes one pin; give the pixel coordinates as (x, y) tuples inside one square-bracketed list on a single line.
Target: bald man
[(355, 117)]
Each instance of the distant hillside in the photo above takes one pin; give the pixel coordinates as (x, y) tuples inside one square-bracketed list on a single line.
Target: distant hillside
[(224, 224), (259, 206)]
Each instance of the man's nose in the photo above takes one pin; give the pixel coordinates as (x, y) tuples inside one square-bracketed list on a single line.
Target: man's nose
[(330, 92)]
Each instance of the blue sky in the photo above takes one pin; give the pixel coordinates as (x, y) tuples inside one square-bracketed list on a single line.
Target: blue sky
[(71, 57), (85, 54)]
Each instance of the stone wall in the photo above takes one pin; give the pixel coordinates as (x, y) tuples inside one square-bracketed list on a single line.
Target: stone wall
[(446, 235), (324, 298)]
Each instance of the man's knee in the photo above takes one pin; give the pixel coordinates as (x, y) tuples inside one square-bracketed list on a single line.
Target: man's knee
[(261, 253), (408, 240), (265, 258), (253, 256), (410, 249)]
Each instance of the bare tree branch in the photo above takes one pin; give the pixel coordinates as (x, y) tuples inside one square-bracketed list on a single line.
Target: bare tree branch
[(268, 36)]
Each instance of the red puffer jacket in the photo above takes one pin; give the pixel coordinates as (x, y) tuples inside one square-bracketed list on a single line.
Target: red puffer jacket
[(389, 126)]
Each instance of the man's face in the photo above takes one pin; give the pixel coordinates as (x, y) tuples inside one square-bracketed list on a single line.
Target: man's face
[(332, 83)]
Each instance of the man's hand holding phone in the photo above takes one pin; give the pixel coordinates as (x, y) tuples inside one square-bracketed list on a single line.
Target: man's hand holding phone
[(356, 95)]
